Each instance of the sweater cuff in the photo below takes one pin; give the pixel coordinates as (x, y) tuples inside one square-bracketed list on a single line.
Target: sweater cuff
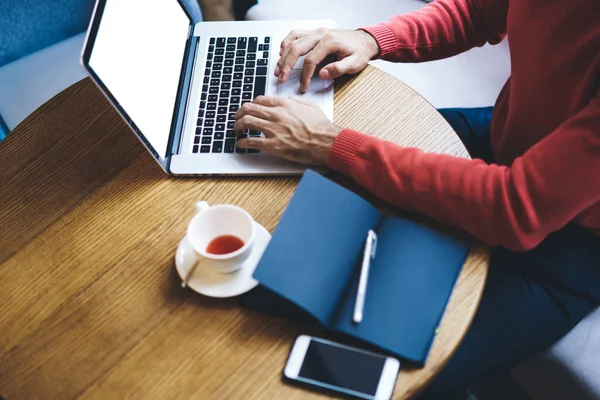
[(385, 38), (344, 150)]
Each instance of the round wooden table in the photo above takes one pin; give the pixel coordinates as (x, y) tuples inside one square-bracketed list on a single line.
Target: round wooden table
[(91, 303)]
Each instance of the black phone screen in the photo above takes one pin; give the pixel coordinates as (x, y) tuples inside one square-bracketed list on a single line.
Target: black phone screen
[(341, 367)]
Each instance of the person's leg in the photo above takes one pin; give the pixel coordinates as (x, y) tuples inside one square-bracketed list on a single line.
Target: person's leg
[(473, 127), (530, 301)]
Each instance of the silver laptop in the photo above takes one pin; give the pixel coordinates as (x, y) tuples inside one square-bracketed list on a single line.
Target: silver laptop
[(178, 84)]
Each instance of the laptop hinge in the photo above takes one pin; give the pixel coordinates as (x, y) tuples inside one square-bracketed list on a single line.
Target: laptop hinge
[(183, 94)]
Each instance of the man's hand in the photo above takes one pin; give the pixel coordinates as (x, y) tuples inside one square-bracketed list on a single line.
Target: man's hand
[(294, 129), (353, 50)]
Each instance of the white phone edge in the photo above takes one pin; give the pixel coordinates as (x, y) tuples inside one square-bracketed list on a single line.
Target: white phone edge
[(387, 379)]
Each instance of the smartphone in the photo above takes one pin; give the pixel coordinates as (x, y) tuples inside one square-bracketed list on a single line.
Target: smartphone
[(342, 368)]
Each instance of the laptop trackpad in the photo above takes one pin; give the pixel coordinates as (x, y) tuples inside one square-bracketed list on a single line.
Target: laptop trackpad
[(316, 89)]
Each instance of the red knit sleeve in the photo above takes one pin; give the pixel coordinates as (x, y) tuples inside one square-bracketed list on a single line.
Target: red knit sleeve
[(441, 29), (516, 206)]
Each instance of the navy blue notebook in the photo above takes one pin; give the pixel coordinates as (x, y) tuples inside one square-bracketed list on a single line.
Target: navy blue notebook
[(314, 258)]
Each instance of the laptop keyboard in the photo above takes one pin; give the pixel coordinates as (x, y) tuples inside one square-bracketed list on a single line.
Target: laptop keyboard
[(235, 73)]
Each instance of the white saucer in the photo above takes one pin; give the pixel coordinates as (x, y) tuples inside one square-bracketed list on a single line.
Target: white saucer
[(210, 283)]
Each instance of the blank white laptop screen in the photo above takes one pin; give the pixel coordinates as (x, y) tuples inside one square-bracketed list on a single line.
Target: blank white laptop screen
[(138, 54)]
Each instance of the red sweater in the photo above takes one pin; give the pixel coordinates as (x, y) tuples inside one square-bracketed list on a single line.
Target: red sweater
[(545, 130)]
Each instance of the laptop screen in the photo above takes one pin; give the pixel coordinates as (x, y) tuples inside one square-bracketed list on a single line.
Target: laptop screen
[(138, 54)]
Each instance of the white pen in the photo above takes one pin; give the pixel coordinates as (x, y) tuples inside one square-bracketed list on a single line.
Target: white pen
[(368, 255)]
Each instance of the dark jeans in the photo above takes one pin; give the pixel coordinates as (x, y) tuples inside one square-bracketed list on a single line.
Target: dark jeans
[(531, 299)]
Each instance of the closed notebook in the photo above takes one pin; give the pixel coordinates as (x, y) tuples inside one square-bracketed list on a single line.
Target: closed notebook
[(314, 259)]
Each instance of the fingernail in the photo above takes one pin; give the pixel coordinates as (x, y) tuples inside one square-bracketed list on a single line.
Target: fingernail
[(325, 74)]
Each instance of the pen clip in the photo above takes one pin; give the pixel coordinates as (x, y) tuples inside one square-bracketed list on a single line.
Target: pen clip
[(373, 236)]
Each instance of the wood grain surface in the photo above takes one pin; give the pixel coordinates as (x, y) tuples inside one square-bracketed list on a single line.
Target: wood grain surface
[(89, 223)]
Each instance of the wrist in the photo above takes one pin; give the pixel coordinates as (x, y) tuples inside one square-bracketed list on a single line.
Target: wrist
[(324, 143), (371, 44)]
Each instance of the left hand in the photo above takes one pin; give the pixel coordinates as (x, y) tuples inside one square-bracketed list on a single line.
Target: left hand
[(295, 129)]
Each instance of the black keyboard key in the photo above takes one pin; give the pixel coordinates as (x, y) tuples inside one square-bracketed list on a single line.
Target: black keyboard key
[(211, 49), (251, 57), (204, 149), (220, 128), (240, 151), (234, 107), (249, 72), (212, 40), (206, 80), (209, 122), (218, 59), (228, 63), (208, 64), (215, 82), (230, 47), (221, 42), (265, 54), (262, 62), (229, 145), (230, 133), (198, 131), (224, 102), (226, 78), (235, 100), (253, 151), (207, 132), (222, 110), (210, 114), (217, 146), (219, 135), (213, 90), (249, 79), (211, 106), (241, 43), (266, 47), (230, 125), (231, 40), (224, 93), (199, 123), (225, 86), (236, 92), (197, 140), (240, 53), (200, 113), (237, 84), (217, 67), (238, 75), (222, 118), (267, 39), (260, 86), (205, 88), (203, 96), (238, 68), (261, 71), (209, 56), (202, 105), (254, 134), (229, 54), (252, 43), (261, 47), (239, 61), (247, 88), (196, 148), (250, 64), (247, 96), (206, 140), (227, 70), (231, 116), (213, 97)]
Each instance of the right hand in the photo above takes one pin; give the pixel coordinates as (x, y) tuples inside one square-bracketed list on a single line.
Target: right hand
[(353, 50)]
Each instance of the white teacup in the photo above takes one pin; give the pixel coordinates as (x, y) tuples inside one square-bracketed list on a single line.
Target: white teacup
[(218, 220)]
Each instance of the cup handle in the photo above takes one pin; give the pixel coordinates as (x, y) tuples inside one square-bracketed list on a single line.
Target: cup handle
[(201, 206), (188, 260)]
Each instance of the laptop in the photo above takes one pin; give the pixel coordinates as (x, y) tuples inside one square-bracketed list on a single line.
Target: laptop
[(178, 84)]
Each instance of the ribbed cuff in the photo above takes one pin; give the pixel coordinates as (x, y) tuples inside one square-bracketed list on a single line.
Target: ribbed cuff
[(385, 38), (344, 149)]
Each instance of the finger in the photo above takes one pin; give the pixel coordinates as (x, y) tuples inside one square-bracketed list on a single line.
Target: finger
[(249, 122), (312, 60), (348, 65), (293, 35), (268, 101), (256, 110), (293, 52), (255, 143)]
